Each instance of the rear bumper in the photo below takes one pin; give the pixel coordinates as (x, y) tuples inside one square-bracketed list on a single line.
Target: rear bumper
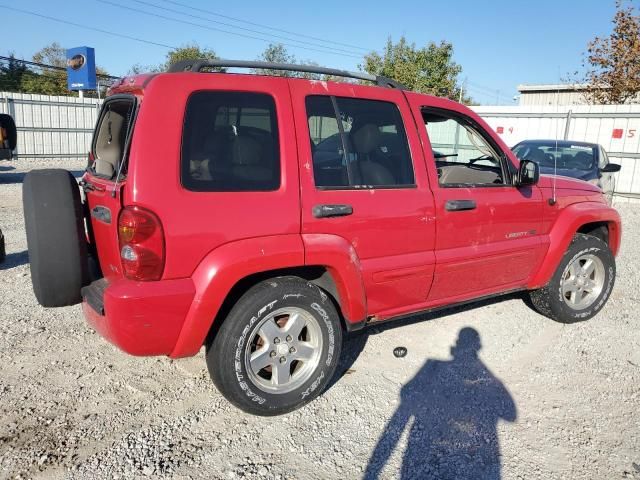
[(140, 318)]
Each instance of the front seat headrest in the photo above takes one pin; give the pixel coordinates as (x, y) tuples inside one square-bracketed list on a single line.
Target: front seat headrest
[(583, 158), (246, 151), (366, 139), (536, 155)]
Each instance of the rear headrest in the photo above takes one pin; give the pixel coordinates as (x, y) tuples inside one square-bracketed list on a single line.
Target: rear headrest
[(246, 151), (366, 139)]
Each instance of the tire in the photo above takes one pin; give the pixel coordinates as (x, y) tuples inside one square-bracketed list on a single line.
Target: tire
[(55, 237), (3, 251), (556, 300), (294, 304)]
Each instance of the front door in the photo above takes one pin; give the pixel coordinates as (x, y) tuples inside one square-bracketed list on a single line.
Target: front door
[(488, 230), (363, 180)]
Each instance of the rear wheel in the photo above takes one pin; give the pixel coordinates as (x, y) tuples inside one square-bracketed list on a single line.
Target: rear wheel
[(278, 348), (582, 283), (55, 236)]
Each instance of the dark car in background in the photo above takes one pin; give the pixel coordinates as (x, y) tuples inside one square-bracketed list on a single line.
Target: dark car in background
[(581, 160)]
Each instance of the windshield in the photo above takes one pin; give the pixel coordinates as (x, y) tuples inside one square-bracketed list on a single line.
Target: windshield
[(548, 155)]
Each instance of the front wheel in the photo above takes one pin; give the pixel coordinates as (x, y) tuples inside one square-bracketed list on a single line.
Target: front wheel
[(581, 285), (278, 348)]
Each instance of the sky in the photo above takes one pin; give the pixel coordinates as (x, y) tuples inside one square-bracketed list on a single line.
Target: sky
[(499, 44)]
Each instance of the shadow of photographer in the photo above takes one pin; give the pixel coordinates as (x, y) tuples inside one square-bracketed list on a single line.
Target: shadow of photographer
[(451, 409)]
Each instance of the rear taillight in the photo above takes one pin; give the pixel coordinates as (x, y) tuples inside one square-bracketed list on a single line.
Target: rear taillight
[(141, 243)]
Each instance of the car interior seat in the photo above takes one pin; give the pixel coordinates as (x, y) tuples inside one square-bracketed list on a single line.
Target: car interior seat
[(366, 141), (581, 160)]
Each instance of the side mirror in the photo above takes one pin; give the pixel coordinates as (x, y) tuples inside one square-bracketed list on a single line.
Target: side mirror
[(610, 168), (528, 173)]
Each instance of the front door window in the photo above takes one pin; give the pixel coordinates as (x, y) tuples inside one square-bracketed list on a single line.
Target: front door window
[(463, 156)]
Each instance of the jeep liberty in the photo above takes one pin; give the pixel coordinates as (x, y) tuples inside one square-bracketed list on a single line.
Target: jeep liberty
[(265, 217)]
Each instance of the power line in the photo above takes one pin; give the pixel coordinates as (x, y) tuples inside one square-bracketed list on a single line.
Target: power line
[(50, 67), (186, 22), (482, 87), (235, 19), (199, 17), (95, 29)]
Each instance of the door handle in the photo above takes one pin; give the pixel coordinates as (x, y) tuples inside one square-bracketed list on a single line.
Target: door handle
[(459, 205), (326, 211)]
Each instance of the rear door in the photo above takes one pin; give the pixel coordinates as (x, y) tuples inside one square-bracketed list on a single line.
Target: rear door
[(105, 176), (488, 236), (363, 179)]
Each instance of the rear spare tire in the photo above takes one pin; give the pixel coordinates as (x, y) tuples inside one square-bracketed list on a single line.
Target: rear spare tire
[(55, 236)]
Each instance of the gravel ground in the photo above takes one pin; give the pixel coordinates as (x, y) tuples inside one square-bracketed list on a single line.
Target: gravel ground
[(540, 400)]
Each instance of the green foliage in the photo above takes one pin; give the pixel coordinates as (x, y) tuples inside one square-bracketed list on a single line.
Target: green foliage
[(11, 74), (429, 69), (48, 81), (278, 53), (187, 52)]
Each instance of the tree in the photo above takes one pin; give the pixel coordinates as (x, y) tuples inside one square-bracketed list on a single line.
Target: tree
[(49, 81), (275, 53), (430, 69), (278, 53), (188, 52), (11, 74), (613, 68)]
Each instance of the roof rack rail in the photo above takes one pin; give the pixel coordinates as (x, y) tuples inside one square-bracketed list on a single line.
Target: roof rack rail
[(198, 65)]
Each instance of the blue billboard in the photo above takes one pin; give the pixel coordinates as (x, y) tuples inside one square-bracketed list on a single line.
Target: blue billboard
[(81, 68)]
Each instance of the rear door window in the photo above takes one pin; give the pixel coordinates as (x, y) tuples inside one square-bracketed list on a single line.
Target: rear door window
[(358, 143), (111, 136), (230, 143)]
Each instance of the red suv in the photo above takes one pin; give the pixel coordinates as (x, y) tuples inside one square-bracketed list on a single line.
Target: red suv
[(262, 217)]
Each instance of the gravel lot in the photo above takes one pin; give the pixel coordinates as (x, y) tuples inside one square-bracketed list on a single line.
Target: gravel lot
[(540, 400)]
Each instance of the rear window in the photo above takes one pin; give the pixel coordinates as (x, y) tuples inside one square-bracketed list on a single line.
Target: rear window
[(230, 143), (110, 138)]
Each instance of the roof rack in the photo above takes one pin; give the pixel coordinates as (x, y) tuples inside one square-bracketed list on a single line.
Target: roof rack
[(198, 65)]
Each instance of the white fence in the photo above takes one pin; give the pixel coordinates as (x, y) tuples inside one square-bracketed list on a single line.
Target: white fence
[(615, 127), (61, 127), (51, 126)]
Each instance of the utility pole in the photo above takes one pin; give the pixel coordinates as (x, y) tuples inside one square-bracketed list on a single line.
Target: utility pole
[(462, 90)]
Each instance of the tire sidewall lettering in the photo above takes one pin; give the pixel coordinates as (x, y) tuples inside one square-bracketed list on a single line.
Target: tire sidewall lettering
[(239, 352), (315, 382)]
